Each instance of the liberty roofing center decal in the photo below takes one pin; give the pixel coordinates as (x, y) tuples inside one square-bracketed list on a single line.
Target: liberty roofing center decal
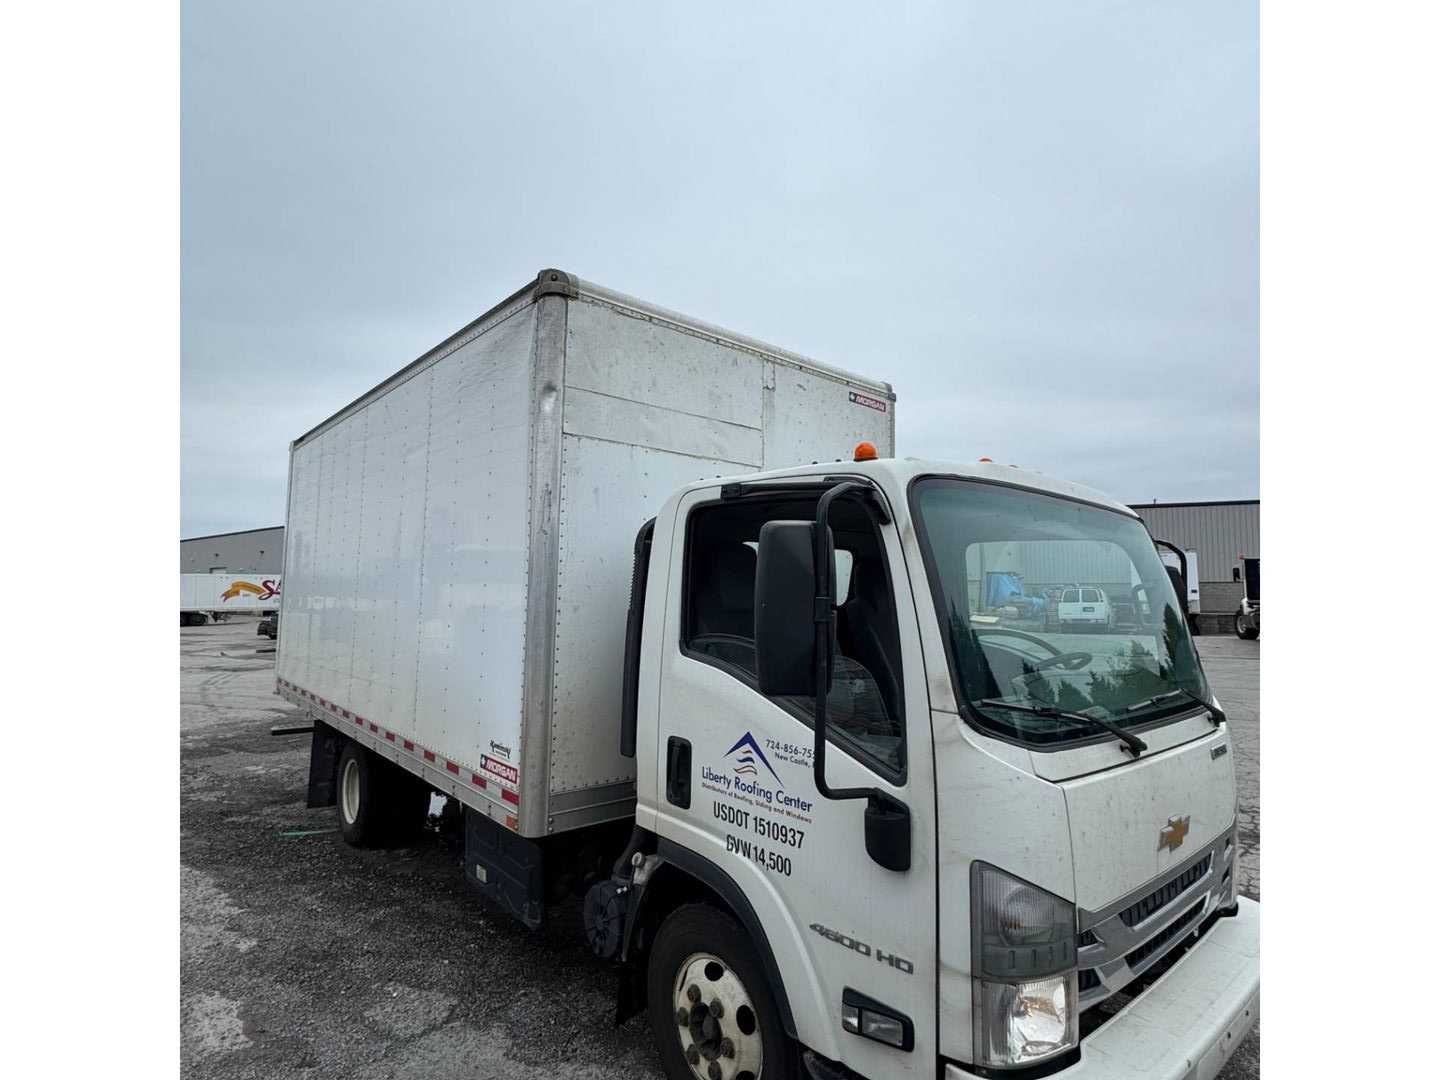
[(748, 777)]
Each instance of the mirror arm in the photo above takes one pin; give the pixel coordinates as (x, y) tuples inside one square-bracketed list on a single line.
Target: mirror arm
[(824, 640)]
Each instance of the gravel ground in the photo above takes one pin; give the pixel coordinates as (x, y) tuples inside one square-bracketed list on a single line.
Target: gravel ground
[(302, 957)]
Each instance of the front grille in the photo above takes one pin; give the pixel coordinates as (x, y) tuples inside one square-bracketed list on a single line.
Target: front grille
[(1089, 979), (1160, 940), (1142, 909)]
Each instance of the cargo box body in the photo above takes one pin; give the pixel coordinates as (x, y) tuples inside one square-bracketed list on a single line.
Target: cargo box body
[(459, 540)]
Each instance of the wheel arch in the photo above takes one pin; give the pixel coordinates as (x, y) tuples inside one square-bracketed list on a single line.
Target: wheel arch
[(684, 877)]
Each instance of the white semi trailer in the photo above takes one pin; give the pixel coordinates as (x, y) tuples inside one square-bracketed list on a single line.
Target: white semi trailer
[(214, 596), (656, 604)]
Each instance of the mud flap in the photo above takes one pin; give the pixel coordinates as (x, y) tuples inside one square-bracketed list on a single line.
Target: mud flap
[(325, 746), (508, 870)]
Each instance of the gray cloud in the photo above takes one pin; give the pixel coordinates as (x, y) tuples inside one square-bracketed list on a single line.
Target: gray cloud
[(1039, 221)]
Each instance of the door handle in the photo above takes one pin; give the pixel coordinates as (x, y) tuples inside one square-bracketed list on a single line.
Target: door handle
[(677, 772)]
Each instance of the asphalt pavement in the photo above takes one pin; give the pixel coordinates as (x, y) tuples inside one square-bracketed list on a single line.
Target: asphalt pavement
[(301, 957)]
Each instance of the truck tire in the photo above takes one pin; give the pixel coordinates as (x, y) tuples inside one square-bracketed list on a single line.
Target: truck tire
[(378, 802), (1244, 628), (710, 1002)]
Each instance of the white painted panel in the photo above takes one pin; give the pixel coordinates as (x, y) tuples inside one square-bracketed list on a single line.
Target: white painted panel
[(407, 491), (292, 659), (469, 668), (408, 526), (607, 492), (328, 559), (812, 418), (620, 420), (388, 572), (349, 480), (637, 360)]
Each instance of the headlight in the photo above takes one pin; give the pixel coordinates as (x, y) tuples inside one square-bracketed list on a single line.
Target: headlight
[(1023, 964)]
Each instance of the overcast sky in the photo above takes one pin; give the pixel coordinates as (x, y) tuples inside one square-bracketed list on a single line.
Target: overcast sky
[(1039, 221)]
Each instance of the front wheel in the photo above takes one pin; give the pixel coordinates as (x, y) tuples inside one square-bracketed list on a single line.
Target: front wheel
[(711, 1007), (1244, 628)]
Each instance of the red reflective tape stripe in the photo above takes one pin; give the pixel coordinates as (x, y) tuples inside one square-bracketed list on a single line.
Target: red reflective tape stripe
[(453, 767), (509, 796), (345, 713), (408, 744), (359, 721), (374, 727), (390, 736), (511, 822), (477, 779), (429, 755)]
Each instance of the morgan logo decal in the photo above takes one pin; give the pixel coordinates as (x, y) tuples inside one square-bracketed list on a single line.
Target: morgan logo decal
[(1174, 833), (504, 770), (747, 752), (264, 591), (867, 401)]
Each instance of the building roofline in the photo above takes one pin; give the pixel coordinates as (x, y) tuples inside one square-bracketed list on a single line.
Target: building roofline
[(1179, 505), (237, 532)]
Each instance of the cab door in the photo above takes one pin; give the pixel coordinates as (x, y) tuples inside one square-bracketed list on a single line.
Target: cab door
[(735, 776)]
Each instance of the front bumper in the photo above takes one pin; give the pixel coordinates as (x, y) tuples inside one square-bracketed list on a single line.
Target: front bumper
[(1189, 1022)]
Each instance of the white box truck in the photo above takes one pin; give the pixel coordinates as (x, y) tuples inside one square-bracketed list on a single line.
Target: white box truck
[(658, 607)]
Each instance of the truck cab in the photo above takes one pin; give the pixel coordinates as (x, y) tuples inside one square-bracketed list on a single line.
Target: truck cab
[(882, 831)]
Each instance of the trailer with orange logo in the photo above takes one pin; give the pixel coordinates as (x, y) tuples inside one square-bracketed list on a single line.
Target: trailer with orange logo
[(211, 597)]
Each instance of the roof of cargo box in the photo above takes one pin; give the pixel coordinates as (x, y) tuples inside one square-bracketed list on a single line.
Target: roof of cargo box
[(552, 282), (897, 473)]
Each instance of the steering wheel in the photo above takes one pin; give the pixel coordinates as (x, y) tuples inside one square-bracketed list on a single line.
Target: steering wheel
[(1020, 634), (1069, 661)]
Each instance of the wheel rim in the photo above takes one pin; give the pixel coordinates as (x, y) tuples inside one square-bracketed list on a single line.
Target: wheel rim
[(350, 791), (718, 1024)]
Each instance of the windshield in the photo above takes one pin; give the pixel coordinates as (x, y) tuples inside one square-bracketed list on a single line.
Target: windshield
[(1052, 604)]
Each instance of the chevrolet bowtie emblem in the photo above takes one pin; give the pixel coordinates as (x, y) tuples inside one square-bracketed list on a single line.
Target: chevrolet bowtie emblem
[(1174, 833)]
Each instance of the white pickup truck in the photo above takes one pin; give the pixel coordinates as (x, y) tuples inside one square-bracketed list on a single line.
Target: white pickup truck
[(831, 815)]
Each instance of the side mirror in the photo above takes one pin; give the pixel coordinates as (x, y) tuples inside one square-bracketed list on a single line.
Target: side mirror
[(785, 609), (794, 621), (887, 832)]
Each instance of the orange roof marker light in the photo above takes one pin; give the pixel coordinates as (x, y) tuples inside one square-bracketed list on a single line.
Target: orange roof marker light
[(866, 452), (987, 461)]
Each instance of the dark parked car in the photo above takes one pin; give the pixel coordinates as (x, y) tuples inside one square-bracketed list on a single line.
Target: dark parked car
[(269, 627)]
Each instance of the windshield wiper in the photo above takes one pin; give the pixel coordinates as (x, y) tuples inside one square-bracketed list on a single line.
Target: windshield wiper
[(1132, 742), (1216, 714)]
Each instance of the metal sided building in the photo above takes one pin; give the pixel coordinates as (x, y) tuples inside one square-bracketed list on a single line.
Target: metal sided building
[(1221, 532), (251, 551)]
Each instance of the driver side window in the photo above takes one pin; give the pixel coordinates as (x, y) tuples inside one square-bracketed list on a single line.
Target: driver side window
[(865, 706)]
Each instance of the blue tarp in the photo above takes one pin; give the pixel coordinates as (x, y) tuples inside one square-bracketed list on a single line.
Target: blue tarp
[(1004, 588), (1000, 588)]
